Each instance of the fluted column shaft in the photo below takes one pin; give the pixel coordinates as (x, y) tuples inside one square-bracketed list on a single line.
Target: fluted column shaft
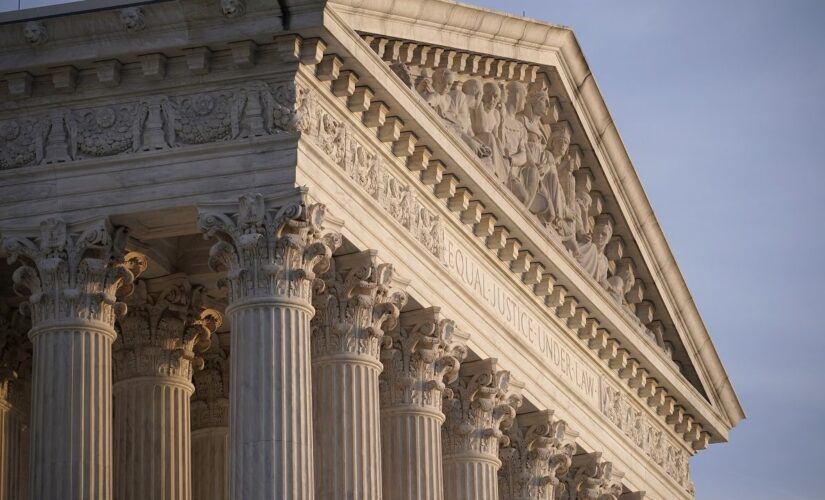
[(161, 339), (71, 419), (271, 249), (151, 439), (345, 391), (72, 277), (473, 477), (347, 335), (210, 427), (14, 446), (270, 400), (411, 454), (420, 355), (482, 402), (210, 463)]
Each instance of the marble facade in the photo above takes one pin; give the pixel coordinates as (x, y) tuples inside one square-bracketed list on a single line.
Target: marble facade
[(337, 250)]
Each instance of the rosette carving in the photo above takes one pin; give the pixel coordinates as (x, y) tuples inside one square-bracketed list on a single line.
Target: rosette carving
[(73, 272), (356, 307), (210, 403), (269, 250), (479, 404), (166, 331), (423, 356), (539, 453)]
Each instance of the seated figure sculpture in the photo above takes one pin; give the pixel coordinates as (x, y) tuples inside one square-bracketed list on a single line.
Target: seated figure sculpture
[(513, 139), (591, 253)]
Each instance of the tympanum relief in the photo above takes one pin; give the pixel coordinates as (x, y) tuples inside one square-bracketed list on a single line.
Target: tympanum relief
[(513, 129)]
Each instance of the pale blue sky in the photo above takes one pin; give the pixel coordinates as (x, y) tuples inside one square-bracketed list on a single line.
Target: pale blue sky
[(720, 105)]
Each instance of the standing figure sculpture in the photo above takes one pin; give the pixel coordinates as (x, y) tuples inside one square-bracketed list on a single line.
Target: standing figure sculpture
[(486, 121), (550, 203)]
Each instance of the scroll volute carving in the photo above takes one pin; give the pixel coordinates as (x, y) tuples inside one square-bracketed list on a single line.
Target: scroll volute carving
[(591, 478), (539, 453), (479, 404), (73, 272), (269, 247), (166, 331), (357, 305), (423, 355)]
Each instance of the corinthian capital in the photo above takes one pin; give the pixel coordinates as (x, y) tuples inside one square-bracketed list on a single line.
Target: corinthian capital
[(15, 355), (424, 354), (269, 247), (591, 477), (539, 453), (72, 271), (166, 330), (356, 306), (210, 403), (479, 404)]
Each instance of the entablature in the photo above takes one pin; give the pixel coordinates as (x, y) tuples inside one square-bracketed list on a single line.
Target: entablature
[(242, 85)]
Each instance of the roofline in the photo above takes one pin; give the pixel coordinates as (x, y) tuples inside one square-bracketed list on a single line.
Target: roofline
[(537, 35)]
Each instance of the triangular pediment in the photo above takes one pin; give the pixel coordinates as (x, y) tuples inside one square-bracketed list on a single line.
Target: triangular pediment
[(528, 125)]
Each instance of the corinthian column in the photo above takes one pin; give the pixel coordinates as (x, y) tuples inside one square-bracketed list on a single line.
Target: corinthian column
[(482, 404), (71, 276), (271, 251), (210, 427), (591, 477), (347, 334), (15, 368), (160, 341), (422, 357), (538, 454)]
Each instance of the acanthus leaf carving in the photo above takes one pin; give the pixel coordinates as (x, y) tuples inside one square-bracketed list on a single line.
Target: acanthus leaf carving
[(477, 406), (422, 357), (538, 455), (76, 272), (591, 478), (166, 330), (210, 402), (269, 250), (356, 307)]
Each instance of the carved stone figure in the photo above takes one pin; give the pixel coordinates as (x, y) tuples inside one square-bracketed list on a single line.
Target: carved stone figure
[(35, 32), (233, 8), (621, 282), (444, 100), (424, 87), (550, 203), (522, 181), (132, 18), (591, 254), (485, 120)]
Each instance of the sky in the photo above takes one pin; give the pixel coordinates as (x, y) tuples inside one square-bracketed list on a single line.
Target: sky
[(720, 106)]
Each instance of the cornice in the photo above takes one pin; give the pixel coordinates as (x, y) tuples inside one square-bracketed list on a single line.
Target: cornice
[(469, 28)]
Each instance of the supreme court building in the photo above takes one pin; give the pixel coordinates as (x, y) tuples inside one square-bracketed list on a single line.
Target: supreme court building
[(334, 250)]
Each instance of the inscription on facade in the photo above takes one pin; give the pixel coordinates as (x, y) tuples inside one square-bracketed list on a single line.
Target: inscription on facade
[(564, 363)]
